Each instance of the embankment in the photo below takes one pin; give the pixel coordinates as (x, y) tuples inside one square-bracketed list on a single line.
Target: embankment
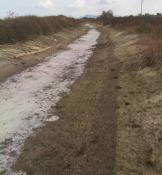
[(17, 57)]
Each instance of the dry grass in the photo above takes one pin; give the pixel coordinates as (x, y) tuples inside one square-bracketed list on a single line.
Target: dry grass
[(21, 28), (150, 27)]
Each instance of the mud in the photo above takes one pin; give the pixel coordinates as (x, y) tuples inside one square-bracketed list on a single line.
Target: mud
[(26, 98)]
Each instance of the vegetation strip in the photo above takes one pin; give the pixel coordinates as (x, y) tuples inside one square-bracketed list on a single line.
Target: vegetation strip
[(22, 28)]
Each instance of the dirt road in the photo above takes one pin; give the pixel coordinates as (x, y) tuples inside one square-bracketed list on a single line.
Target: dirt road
[(110, 121), (83, 140), (27, 97)]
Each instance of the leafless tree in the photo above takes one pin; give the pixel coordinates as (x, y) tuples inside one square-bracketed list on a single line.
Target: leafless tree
[(106, 17), (11, 14)]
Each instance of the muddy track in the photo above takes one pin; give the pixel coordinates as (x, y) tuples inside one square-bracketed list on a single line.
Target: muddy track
[(27, 97), (83, 141), (110, 122)]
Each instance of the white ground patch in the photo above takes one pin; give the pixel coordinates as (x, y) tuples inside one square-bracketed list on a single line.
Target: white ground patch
[(52, 119), (26, 98)]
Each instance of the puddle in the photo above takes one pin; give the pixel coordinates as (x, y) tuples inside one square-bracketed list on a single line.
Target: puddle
[(26, 101)]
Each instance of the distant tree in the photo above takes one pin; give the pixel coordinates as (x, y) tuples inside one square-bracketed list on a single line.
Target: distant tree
[(11, 14), (158, 14), (106, 17), (147, 15), (130, 16)]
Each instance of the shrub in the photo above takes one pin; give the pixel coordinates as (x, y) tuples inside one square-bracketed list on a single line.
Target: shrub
[(106, 17), (21, 28), (151, 27)]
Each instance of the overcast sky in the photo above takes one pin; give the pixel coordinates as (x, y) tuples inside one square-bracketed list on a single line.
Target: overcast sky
[(77, 8)]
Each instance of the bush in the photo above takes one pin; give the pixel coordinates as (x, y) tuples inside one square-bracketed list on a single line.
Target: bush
[(151, 27), (21, 28), (106, 17)]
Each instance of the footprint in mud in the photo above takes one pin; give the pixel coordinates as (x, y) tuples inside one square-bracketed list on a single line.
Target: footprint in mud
[(118, 87), (127, 103), (116, 77)]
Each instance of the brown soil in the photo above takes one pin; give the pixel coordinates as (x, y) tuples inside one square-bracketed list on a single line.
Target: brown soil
[(110, 123), (17, 57)]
